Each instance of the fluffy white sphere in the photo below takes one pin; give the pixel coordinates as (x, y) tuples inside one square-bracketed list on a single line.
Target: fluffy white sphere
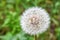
[(35, 20)]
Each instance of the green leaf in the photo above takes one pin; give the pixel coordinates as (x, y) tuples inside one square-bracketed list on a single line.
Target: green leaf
[(8, 36), (7, 20), (55, 21), (57, 4)]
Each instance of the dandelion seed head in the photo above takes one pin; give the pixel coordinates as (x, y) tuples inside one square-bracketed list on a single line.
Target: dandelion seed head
[(35, 21)]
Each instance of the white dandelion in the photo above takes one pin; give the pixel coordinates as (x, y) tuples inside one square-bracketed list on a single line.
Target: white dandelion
[(35, 20)]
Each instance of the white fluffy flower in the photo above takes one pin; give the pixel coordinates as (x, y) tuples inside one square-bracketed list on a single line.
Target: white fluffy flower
[(35, 21)]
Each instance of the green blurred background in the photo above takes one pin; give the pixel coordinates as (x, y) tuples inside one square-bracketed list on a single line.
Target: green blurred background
[(11, 10)]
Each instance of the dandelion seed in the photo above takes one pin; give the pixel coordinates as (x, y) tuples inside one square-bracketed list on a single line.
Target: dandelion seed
[(35, 21)]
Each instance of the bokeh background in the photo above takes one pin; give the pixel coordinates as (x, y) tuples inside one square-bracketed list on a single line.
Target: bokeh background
[(11, 10)]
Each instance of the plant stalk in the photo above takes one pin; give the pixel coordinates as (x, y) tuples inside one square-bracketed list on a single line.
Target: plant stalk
[(35, 37)]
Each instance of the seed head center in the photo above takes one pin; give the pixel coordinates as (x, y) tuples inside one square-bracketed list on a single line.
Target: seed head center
[(34, 20)]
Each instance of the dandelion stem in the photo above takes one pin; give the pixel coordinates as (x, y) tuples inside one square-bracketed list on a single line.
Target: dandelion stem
[(35, 37)]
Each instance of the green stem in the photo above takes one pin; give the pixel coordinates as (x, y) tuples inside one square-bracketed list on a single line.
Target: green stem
[(35, 37)]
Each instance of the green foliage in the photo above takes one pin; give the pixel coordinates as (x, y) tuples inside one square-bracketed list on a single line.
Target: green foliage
[(11, 10)]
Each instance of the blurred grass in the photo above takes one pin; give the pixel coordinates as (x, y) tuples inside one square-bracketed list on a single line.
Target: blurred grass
[(10, 11)]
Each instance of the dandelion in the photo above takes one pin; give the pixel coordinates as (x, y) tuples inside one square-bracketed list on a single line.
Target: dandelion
[(35, 21)]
